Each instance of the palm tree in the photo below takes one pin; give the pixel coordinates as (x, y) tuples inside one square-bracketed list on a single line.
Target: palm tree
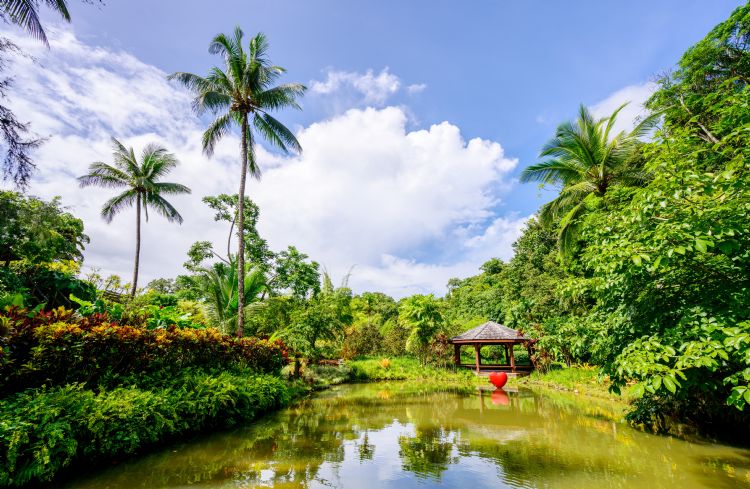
[(219, 287), (243, 94), (142, 188), (585, 160), (24, 13)]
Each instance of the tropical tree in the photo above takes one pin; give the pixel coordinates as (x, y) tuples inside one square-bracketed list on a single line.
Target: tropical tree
[(142, 188), (243, 94), (218, 284), (323, 317), (423, 315), (37, 231), (585, 159)]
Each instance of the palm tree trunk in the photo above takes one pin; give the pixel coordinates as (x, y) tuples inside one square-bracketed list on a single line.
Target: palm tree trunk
[(137, 243), (241, 235), (229, 240)]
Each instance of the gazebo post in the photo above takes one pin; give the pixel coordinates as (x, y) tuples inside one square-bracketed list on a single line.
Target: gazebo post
[(507, 355), (512, 359), (457, 354), (477, 357)]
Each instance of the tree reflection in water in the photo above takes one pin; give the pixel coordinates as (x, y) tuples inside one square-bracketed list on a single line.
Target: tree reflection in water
[(405, 435)]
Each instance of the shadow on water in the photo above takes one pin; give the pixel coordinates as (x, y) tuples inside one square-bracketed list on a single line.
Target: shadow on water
[(406, 435)]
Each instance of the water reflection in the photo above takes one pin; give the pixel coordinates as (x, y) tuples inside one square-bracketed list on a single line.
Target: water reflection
[(403, 435)]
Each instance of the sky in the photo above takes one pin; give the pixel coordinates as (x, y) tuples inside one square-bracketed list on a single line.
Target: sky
[(418, 119)]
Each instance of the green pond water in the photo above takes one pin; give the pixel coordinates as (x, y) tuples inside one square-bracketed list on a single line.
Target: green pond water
[(403, 436)]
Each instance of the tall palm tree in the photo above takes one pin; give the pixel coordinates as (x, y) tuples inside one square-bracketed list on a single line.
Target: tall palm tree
[(243, 94), (24, 13), (585, 160), (140, 179)]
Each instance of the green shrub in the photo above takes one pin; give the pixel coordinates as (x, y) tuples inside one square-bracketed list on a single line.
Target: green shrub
[(45, 284), (326, 375), (58, 347), (44, 431)]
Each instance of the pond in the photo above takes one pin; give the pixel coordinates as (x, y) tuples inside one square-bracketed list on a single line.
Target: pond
[(402, 435)]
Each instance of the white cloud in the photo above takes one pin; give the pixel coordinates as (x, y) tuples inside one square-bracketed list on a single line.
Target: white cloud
[(635, 96), (365, 189), (375, 89), (409, 209), (416, 88), (351, 88)]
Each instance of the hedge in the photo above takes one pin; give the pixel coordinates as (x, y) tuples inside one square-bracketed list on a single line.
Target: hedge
[(59, 347)]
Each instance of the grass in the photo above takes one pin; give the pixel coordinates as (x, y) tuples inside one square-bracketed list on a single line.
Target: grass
[(580, 379), (369, 369)]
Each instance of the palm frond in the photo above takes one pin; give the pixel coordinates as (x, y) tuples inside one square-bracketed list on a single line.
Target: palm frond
[(162, 207), (557, 171), (280, 97), (568, 233), (24, 14), (168, 188), (191, 81), (215, 131), (116, 204), (156, 161), (276, 133), (103, 175), (252, 165), (226, 46), (214, 102)]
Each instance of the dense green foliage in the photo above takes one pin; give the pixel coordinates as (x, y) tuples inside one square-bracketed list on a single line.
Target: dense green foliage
[(45, 431), (59, 347), (655, 285), (37, 231)]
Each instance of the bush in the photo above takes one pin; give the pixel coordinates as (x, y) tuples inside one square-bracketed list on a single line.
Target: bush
[(394, 338), (361, 339), (44, 431), (326, 375), (59, 347), (44, 285)]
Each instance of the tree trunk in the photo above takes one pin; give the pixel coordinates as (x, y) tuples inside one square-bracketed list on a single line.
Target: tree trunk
[(241, 235), (137, 243), (229, 240)]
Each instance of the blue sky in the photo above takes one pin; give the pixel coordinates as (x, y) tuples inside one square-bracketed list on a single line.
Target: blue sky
[(503, 72)]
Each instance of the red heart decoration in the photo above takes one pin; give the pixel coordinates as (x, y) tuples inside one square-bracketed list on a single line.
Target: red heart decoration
[(498, 379)]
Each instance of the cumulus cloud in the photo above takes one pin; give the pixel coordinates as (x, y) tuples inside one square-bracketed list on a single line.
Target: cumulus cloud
[(408, 209), (366, 188), (635, 96)]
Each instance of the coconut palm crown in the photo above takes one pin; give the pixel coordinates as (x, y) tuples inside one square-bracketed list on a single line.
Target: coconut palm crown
[(243, 94), (586, 158), (142, 188)]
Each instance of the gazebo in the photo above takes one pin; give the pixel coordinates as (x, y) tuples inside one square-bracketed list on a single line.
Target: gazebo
[(492, 333)]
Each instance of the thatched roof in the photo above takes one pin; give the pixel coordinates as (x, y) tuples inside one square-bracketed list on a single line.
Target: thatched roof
[(490, 331)]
